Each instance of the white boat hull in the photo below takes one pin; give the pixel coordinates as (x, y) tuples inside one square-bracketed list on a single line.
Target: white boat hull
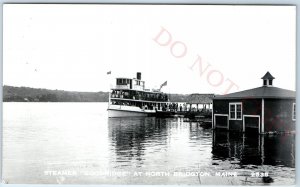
[(127, 111), (121, 113)]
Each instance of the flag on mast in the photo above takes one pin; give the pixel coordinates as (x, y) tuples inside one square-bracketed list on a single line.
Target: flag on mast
[(164, 84)]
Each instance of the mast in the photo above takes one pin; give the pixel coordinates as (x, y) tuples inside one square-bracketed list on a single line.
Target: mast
[(110, 87)]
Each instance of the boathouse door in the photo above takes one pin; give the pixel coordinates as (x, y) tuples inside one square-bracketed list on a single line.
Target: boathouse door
[(251, 124), (221, 121)]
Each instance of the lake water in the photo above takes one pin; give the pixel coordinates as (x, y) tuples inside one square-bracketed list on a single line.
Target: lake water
[(76, 143)]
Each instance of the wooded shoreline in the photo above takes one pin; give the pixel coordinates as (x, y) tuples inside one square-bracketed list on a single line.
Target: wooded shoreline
[(27, 94)]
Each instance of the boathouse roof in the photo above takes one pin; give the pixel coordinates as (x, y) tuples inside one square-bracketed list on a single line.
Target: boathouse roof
[(266, 91), (260, 92), (200, 98)]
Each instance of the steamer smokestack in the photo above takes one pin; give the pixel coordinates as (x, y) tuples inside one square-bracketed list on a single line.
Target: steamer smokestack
[(139, 75)]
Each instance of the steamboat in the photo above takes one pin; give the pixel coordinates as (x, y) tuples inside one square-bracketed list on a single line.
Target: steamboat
[(129, 98)]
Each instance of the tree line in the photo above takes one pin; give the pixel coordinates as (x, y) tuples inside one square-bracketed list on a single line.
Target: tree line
[(26, 94)]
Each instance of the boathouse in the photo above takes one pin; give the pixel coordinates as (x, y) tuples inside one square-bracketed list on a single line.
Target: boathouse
[(262, 110)]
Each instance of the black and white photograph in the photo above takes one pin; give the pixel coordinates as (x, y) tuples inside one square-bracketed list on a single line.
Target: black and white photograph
[(149, 94)]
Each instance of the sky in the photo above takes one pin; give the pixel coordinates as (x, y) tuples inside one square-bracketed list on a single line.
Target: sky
[(195, 48)]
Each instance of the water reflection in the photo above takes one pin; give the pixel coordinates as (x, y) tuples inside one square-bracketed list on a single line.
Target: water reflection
[(275, 150), (130, 136), (173, 144), (159, 142), (133, 139)]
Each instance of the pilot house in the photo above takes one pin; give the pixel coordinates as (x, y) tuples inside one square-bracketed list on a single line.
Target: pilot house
[(259, 110)]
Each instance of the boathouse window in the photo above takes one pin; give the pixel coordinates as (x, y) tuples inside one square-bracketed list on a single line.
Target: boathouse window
[(265, 82), (294, 111), (235, 111), (232, 111), (270, 82)]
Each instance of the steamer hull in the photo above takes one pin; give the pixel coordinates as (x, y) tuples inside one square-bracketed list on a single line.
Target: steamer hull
[(123, 113)]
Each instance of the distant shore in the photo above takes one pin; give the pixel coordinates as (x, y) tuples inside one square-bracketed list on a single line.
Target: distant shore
[(27, 94)]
